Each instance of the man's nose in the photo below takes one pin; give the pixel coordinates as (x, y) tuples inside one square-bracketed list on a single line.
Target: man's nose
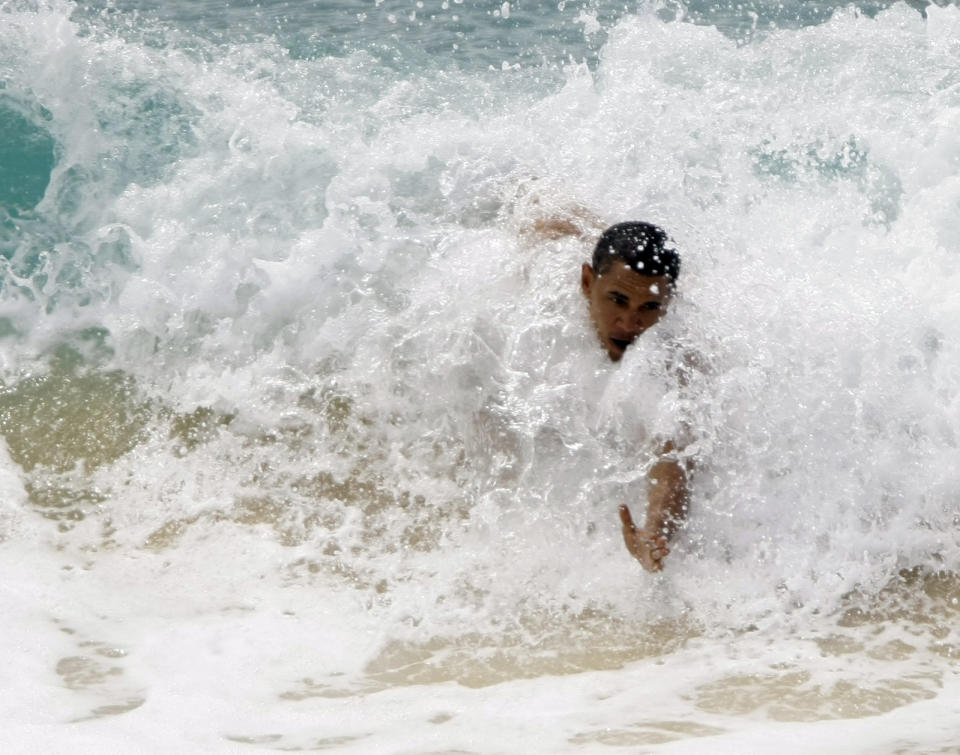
[(633, 321)]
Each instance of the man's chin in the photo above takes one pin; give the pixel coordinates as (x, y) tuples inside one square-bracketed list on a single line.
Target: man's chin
[(616, 347)]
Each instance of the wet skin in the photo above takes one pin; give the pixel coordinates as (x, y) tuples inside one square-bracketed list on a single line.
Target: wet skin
[(623, 304), (648, 547)]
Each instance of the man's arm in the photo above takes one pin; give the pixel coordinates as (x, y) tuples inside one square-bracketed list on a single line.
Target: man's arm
[(546, 213), (575, 221), (667, 503)]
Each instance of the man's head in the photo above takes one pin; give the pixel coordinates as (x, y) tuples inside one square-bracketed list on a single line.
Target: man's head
[(629, 283)]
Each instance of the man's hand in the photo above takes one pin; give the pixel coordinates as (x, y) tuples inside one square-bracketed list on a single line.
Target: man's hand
[(547, 212), (666, 510), (649, 548)]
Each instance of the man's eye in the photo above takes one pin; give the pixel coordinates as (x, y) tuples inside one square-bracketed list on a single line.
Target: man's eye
[(619, 300), (652, 305)]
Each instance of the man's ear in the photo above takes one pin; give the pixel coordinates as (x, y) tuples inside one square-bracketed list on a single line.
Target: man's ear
[(587, 278)]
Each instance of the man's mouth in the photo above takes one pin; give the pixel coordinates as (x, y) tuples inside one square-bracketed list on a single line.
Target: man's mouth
[(622, 343)]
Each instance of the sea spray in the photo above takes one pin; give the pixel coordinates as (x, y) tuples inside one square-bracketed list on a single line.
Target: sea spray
[(278, 342)]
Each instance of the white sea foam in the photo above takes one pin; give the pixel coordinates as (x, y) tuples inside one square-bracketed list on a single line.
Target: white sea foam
[(332, 434)]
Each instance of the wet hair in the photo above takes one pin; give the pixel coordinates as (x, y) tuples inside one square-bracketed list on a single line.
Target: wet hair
[(642, 246)]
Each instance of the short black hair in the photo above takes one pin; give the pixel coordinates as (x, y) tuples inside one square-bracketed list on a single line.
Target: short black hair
[(641, 246)]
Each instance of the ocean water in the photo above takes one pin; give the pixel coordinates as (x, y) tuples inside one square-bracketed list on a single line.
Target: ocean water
[(307, 441)]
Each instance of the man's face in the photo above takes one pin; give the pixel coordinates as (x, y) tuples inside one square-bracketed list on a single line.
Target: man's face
[(623, 304)]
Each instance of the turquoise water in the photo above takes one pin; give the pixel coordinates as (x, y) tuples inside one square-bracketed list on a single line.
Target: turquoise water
[(146, 125), (467, 35), (307, 442)]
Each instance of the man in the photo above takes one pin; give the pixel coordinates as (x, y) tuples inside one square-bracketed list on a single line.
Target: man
[(628, 286)]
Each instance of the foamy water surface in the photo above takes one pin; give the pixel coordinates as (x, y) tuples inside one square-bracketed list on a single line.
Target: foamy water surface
[(307, 441)]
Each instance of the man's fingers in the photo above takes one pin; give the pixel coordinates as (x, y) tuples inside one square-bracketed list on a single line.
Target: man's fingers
[(649, 550)]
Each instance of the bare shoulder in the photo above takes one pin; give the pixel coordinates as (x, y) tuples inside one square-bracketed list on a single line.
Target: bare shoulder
[(688, 365)]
